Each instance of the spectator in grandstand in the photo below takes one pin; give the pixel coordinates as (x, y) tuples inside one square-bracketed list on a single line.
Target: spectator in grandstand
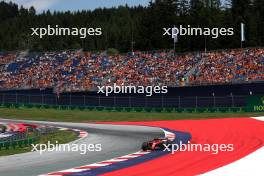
[(230, 66), (75, 71)]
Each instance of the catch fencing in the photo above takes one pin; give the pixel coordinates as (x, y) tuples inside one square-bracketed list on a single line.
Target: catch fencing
[(124, 101)]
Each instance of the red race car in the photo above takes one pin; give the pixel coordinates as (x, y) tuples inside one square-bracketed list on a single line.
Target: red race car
[(156, 144)]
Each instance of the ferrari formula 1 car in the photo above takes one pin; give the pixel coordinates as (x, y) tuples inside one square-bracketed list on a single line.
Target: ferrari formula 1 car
[(156, 144)]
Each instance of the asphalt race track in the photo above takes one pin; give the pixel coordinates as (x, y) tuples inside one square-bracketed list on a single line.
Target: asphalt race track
[(116, 140), (122, 138)]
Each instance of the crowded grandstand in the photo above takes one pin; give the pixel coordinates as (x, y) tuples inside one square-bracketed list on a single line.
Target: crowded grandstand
[(70, 71)]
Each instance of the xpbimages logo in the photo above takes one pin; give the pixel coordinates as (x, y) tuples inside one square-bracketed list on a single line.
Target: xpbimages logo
[(148, 90), (63, 31), (197, 31), (70, 147), (191, 147)]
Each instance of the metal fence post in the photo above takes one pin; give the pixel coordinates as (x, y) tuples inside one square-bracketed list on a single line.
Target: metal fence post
[(84, 101), (70, 100), (114, 101), (56, 100), (232, 98), (214, 99), (179, 102), (129, 99), (3, 100), (162, 101), (99, 100), (196, 102), (42, 99), (16, 97)]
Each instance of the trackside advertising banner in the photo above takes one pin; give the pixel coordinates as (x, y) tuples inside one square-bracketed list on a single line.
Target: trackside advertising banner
[(255, 103)]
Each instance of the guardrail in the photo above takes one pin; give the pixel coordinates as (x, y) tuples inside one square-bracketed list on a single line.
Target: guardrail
[(13, 136), (18, 139), (22, 139), (18, 143)]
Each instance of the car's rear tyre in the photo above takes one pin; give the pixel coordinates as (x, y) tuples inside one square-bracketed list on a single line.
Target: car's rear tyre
[(145, 146)]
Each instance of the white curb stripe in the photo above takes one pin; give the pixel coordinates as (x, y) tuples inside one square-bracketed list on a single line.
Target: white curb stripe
[(98, 164), (114, 160), (261, 118), (171, 136), (74, 170), (129, 156), (140, 153)]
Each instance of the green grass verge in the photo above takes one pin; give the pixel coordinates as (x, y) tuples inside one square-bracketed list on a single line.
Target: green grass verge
[(61, 136), (88, 116)]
